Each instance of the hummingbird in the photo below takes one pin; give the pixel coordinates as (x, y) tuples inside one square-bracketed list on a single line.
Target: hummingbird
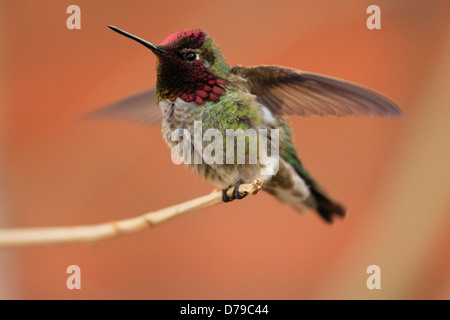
[(195, 83)]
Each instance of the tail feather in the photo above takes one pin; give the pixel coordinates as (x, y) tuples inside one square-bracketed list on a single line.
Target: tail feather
[(318, 199), (292, 192), (327, 208)]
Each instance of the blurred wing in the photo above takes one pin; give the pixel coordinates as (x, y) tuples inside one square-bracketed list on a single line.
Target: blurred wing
[(141, 108), (288, 91)]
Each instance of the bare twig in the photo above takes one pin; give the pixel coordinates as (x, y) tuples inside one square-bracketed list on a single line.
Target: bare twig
[(95, 233)]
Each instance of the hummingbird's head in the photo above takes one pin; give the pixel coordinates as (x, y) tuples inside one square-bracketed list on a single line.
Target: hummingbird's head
[(189, 67)]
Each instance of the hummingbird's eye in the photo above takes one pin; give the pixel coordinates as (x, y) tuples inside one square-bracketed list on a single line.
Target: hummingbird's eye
[(190, 56)]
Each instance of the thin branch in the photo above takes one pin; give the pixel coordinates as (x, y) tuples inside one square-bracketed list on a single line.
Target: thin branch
[(95, 233)]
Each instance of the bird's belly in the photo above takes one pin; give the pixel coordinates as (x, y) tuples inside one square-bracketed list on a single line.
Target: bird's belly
[(225, 175), (182, 115)]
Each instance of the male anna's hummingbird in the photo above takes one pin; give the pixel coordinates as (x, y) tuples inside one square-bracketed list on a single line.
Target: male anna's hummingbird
[(194, 82)]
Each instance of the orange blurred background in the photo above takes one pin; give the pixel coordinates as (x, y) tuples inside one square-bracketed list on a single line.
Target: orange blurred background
[(392, 174)]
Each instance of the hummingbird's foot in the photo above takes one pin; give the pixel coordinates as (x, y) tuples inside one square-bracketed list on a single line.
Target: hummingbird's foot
[(236, 193), (225, 197)]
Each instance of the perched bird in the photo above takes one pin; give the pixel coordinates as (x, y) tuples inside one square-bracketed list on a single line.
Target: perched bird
[(194, 83)]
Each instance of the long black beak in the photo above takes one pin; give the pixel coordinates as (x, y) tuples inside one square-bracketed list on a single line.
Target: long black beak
[(147, 44)]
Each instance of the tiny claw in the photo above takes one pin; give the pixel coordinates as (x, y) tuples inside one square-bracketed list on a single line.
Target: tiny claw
[(225, 197), (236, 193)]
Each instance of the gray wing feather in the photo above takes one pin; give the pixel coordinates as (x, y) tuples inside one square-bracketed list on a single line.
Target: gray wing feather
[(141, 108), (288, 91)]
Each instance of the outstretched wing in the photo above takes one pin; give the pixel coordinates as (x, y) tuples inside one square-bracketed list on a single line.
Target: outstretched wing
[(288, 91), (141, 108)]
